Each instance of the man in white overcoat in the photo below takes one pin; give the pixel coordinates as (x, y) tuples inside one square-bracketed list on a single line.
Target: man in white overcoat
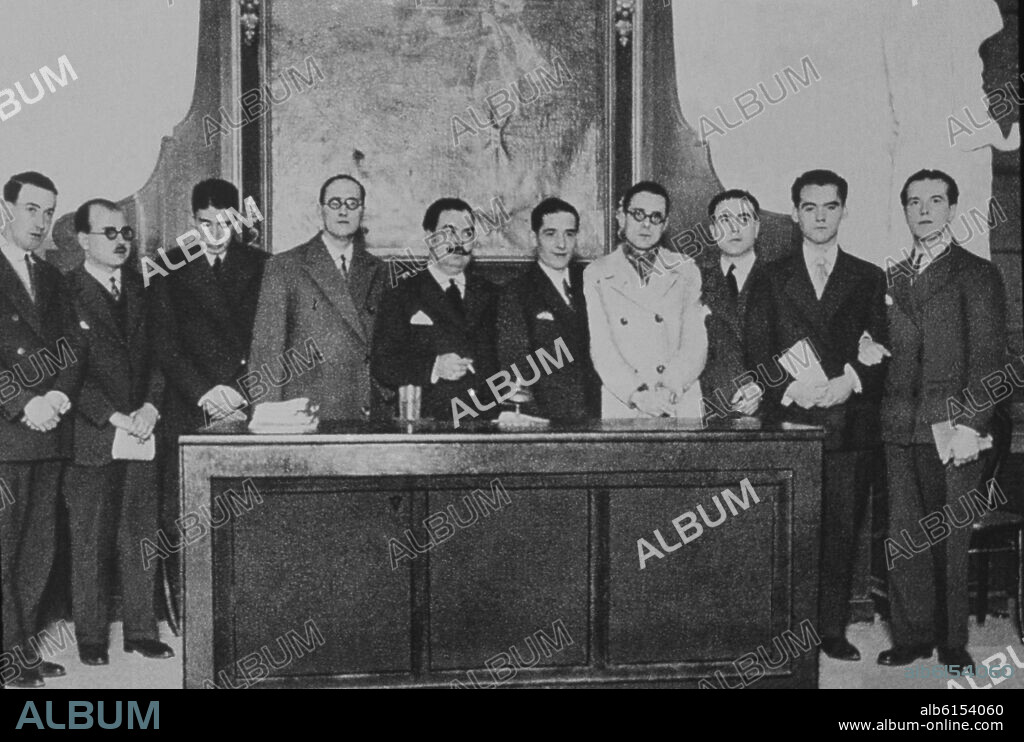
[(648, 340)]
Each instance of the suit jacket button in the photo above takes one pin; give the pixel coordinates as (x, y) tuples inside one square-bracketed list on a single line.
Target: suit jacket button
[(21, 351), (658, 318), (623, 320), (14, 318), (244, 362), (660, 369)]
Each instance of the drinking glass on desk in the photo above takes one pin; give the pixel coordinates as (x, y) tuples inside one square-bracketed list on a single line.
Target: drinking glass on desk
[(409, 398)]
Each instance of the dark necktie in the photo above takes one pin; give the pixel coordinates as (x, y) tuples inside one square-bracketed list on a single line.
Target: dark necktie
[(216, 267), (114, 290), (454, 297), (343, 265), (568, 294), (31, 276), (730, 281)]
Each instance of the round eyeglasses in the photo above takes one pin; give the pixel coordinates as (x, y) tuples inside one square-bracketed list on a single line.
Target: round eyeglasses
[(127, 232), (639, 215), (336, 203)]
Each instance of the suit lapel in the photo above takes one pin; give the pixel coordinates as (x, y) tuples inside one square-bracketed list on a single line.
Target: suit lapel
[(801, 292), (841, 283), (325, 274), (432, 297), (18, 294), (360, 279), (716, 297), (94, 299), (209, 294), (934, 278), (549, 297)]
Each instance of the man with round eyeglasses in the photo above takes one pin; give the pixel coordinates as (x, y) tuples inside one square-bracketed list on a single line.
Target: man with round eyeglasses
[(332, 286), (648, 340)]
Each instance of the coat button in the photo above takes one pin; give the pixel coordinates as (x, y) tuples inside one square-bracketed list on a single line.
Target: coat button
[(623, 320), (15, 318), (660, 369), (658, 318), (21, 351), (244, 362)]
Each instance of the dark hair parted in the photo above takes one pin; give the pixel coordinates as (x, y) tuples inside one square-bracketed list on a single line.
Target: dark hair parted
[(214, 193), (12, 188), (82, 223), (734, 193), (551, 206), (952, 189), (327, 184), (819, 178), (646, 186), (433, 212)]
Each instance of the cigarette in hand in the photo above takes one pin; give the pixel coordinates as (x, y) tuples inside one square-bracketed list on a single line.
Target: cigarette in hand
[(469, 365)]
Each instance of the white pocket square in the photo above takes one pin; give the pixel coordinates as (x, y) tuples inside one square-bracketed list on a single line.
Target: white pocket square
[(547, 316), (420, 318)]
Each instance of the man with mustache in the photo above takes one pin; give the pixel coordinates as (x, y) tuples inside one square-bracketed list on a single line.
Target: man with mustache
[(324, 292), (112, 503), (436, 330), (34, 398)]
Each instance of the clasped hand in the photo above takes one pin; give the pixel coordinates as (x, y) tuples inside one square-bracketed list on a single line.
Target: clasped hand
[(43, 413), (657, 402), (140, 423)]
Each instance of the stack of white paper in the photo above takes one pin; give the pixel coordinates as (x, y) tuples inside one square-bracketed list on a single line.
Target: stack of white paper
[(801, 362), (288, 417), (129, 448)]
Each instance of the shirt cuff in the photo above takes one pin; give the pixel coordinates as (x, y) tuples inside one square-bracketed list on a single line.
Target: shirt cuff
[(434, 375), (63, 397), (850, 374)]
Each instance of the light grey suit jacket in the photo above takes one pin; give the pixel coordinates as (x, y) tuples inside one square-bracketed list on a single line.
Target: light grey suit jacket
[(313, 330)]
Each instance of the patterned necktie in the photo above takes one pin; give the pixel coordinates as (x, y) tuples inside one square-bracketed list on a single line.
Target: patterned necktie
[(114, 290), (820, 276), (31, 276), (343, 265), (730, 281), (643, 263), (567, 289), (454, 297)]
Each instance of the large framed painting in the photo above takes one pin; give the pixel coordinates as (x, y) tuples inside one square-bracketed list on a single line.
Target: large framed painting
[(498, 102)]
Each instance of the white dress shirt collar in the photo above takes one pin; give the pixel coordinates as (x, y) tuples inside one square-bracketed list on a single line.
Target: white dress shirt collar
[(813, 252), (557, 278), (744, 264), (103, 276), (335, 253), (444, 280), (16, 257)]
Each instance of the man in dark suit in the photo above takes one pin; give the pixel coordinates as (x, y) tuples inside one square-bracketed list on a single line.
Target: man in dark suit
[(324, 292), (829, 298), (436, 329), (947, 320), (726, 283), (38, 371), (112, 503), (542, 305), (202, 320)]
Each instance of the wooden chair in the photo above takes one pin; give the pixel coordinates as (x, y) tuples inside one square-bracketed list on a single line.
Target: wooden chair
[(999, 531)]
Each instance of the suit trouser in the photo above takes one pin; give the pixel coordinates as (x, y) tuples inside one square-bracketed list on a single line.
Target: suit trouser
[(928, 591), (27, 547), (111, 509), (845, 488)]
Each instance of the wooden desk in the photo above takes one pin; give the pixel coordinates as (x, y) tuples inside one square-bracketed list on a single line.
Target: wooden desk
[(562, 551)]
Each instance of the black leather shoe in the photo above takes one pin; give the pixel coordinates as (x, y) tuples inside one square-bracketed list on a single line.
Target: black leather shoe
[(898, 655), (840, 649), (955, 656), (27, 679), (93, 654), (149, 648), (52, 670)]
